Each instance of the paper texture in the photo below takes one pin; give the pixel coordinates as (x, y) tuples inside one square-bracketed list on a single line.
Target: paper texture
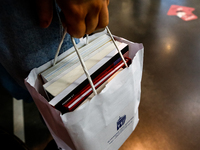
[(99, 117), (103, 123)]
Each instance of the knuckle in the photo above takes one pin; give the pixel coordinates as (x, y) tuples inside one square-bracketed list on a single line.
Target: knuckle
[(77, 12), (96, 8)]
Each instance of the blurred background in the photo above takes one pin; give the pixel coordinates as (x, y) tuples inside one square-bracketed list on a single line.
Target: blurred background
[(169, 111)]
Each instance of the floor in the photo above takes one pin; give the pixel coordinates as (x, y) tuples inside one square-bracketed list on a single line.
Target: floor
[(169, 111)]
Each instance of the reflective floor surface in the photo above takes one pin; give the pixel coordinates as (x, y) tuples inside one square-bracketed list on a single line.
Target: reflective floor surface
[(169, 111)]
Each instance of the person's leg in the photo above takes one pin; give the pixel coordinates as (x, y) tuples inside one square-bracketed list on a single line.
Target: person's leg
[(12, 86)]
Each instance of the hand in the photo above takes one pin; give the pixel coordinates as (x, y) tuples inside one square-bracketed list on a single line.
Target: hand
[(79, 17)]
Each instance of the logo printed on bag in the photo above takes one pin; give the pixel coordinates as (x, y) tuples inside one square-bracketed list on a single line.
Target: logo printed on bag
[(121, 126), (121, 122)]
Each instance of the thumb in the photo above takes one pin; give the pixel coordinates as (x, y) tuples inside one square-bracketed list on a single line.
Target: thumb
[(45, 12)]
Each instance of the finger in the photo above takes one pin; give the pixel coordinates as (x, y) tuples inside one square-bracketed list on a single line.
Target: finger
[(108, 1), (91, 22), (103, 17), (77, 30), (75, 27), (45, 12)]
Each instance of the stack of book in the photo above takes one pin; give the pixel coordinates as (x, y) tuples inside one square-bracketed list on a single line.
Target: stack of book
[(67, 86)]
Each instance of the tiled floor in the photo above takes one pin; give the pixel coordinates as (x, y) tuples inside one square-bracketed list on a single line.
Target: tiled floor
[(170, 102)]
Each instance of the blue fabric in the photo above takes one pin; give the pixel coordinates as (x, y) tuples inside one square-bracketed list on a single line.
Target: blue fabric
[(23, 44), (12, 87)]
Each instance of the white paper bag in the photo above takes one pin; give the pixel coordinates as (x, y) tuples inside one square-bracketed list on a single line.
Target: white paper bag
[(105, 122)]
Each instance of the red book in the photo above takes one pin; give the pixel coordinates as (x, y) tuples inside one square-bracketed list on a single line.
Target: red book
[(98, 81)]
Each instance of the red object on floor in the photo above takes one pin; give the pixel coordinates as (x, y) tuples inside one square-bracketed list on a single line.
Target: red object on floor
[(185, 13)]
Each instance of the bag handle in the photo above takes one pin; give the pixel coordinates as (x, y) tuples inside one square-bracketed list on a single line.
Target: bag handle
[(59, 46), (81, 59), (84, 66), (116, 46)]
